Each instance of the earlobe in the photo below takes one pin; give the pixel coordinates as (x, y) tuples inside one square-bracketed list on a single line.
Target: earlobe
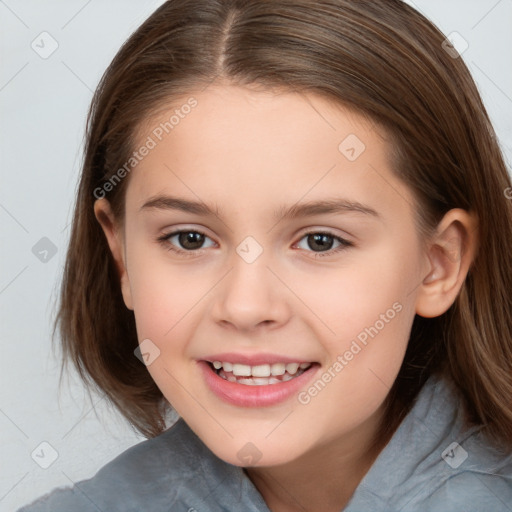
[(112, 231), (450, 254)]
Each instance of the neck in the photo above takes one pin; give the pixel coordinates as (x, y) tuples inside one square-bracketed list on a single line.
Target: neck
[(325, 477)]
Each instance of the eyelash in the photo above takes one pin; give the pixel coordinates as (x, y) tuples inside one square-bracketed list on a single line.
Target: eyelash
[(164, 240)]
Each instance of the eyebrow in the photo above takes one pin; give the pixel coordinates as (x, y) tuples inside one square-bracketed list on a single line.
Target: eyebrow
[(327, 206)]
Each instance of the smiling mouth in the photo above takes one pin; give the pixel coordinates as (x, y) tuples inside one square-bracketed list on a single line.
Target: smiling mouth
[(259, 375)]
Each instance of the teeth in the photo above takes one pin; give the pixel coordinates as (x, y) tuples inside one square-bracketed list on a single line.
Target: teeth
[(261, 381), (292, 368), (241, 370), (258, 381), (261, 371), (278, 369)]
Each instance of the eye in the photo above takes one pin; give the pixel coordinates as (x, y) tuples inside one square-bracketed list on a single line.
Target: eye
[(323, 242), (188, 240)]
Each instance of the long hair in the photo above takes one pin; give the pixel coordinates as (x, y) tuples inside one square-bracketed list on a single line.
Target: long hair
[(386, 61)]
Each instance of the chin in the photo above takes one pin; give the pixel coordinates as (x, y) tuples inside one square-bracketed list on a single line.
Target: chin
[(249, 454)]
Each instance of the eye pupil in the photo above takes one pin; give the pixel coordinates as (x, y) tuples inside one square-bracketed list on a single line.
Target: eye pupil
[(320, 241), (191, 240)]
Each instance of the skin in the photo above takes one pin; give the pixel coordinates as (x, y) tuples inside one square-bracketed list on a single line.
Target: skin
[(248, 152)]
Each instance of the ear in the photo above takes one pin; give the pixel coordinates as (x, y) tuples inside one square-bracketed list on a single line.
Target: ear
[(450, 253), (113, 233)]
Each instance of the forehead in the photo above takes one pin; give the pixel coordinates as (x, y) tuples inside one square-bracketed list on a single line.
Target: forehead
[(253, 147), (257, 118)]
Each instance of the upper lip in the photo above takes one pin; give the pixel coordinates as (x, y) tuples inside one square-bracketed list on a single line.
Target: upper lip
[(254, 359)]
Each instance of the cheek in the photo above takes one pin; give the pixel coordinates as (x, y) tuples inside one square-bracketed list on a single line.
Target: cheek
[(351, 296), (167, 301), (162, 292), (364, 358), (365, 311)]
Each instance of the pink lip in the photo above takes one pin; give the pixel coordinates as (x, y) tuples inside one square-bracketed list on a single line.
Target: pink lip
[(254, 396), (253, 360)]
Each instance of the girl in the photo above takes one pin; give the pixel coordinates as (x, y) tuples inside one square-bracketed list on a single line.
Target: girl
[(292, 229)]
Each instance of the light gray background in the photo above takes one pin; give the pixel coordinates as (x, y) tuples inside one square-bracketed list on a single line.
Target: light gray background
[(43, 106)]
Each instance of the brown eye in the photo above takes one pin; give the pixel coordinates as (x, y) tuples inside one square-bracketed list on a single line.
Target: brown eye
[(186, 241), (191, 240), (318, 242)]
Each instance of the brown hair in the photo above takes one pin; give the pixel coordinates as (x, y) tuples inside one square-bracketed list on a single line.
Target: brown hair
[(385, 60)]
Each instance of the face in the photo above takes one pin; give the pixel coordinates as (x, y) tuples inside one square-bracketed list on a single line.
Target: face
[(271, 260)]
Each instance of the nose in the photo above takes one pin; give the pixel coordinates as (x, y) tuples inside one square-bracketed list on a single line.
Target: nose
[(250, 297)]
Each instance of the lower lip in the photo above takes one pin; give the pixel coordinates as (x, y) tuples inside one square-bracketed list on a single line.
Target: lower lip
[(254, 396)]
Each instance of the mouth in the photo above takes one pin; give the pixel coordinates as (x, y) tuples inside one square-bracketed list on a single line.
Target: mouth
[(256, 385), (258, 375)]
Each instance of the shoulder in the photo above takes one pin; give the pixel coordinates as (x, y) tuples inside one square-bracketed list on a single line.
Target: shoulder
[(174, 468), (473, 489), (459, 467), (467, 474), (473, 474), (436, 462), (467, 470)]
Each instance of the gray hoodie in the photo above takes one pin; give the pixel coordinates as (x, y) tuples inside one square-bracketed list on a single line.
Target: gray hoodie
[(431, 464)]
